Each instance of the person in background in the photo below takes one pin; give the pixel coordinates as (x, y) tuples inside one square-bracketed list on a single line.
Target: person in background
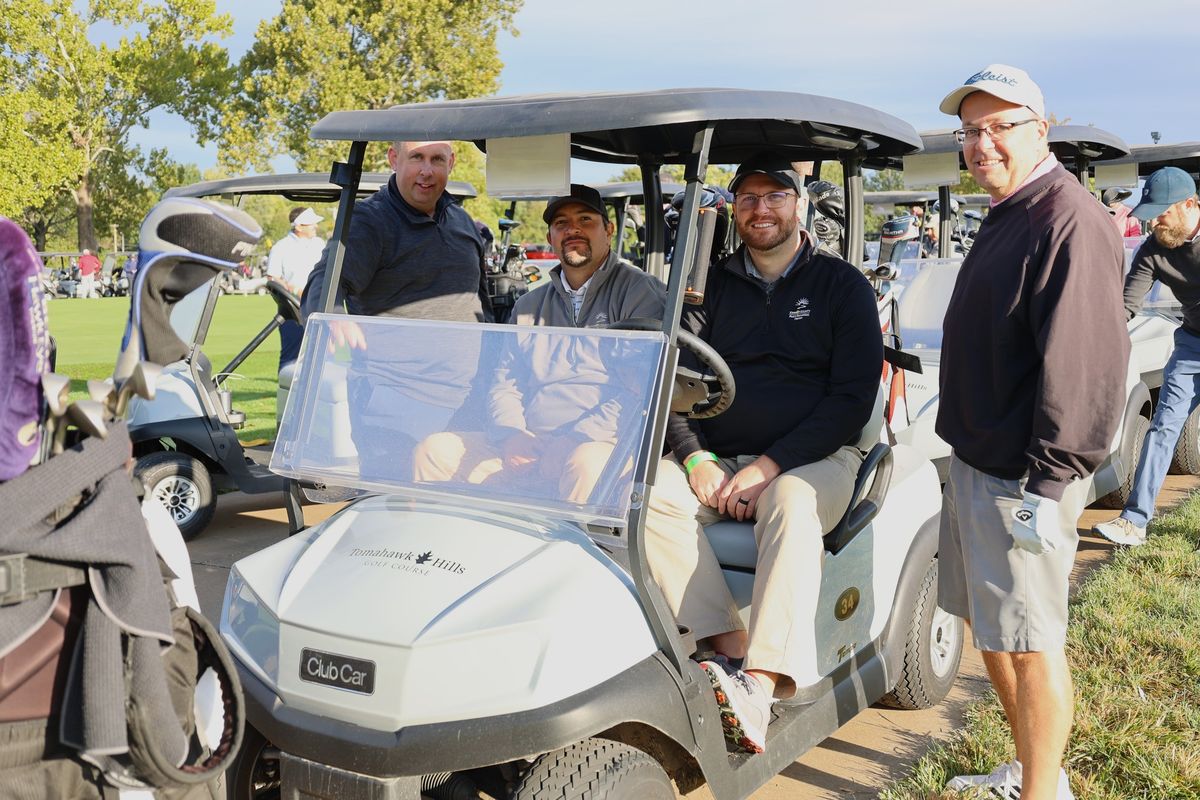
[(89, 269), (290, 262), (1114, 198)]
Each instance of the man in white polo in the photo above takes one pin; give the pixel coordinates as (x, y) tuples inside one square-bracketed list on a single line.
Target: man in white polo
[(291, 261), (1035, 315)]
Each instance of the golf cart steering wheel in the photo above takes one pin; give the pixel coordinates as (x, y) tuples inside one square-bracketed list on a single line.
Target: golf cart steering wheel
[(692, 396)]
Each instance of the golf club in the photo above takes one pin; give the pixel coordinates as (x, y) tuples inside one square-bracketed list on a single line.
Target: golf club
[(103, 393), (141, 381), (55, 389)]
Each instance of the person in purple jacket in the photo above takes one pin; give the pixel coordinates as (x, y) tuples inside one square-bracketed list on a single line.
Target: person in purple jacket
[(1032, 385)]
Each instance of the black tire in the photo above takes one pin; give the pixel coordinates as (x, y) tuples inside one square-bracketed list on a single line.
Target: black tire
[(1186, 458), (182, 484), (595, 769), (254, 773), (932, 650), (1117, 498)]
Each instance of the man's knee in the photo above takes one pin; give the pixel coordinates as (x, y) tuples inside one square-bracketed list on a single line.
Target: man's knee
[(438, 456)]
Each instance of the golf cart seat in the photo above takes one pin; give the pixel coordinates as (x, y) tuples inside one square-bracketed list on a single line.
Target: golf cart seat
[(733, 542)]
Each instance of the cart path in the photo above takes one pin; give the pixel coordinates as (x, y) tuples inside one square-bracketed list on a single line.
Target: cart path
[(875, 748)]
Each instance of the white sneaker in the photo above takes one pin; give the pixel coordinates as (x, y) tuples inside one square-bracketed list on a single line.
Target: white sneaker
[(1005, 782), (1121, 531)]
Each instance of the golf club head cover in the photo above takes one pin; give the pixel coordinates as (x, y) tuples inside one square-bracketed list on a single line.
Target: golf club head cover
[(183, 243), (24, 349)]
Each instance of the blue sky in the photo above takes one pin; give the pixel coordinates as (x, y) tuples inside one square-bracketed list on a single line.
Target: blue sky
[(1121, 66)]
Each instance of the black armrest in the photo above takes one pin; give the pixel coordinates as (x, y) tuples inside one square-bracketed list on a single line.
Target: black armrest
[(864, 503)]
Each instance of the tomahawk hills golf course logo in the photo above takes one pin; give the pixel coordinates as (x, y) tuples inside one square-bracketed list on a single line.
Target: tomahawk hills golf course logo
[(424, 563)]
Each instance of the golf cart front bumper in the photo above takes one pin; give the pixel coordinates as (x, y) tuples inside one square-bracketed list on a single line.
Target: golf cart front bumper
[(645, 694)]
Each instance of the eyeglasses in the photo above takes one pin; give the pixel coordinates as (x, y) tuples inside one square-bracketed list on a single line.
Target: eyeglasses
[(746, 201), (995, 132)]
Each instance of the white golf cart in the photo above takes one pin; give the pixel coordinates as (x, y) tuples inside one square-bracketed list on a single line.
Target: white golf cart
[(486, 631), (922, 307)]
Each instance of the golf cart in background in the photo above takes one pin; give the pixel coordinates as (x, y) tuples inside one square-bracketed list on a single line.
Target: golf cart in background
[(436, 638), (1153, 329), (926, 295)]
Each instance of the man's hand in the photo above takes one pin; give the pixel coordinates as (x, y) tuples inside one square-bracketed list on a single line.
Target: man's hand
[(519, 449), (1035, 525), (739, 497), (706, 480), (346, 332)]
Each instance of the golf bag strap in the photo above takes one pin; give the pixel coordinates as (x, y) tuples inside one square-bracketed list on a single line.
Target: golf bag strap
[(22, 577)]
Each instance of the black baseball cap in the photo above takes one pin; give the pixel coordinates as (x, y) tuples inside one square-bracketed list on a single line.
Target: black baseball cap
[(774, 166), (579, 194), (1115, 194)]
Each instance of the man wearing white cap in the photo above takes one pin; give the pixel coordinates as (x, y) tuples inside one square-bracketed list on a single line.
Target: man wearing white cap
[(1040, 288), (291, 261)]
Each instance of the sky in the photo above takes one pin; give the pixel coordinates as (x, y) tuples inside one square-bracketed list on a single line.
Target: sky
[(1121, 66)]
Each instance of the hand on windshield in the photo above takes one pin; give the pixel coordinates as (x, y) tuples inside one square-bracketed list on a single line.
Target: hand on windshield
[(346, 332), (739, 497), (519, 449), (706, 481)]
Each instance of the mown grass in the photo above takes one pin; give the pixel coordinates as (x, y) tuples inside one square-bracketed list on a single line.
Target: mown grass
[(88, 334), (1134, 649)]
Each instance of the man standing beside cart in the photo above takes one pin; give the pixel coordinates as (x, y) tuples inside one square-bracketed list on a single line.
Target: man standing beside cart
[(1038, 290), (1170, 255), (799, 329)]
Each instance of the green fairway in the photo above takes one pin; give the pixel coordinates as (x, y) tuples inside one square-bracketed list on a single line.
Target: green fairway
[(88, 333)]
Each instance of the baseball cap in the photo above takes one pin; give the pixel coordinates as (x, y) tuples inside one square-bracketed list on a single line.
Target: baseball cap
[(24, 349), (1114, 194), (777, 167), (1163, 189), (579, 194), (307, 217), (999, 80)]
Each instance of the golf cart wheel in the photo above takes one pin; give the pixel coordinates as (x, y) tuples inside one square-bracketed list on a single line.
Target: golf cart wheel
[(1186, 458), (181, 483), (595, 768), (254, 773), (1117, 498), (932, 649)]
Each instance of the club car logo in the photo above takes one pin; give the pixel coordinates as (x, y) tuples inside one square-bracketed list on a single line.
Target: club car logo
[(341, 672), (425, 563)]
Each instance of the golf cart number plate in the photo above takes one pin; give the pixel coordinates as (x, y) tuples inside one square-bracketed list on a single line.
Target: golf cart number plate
[(341, 672)]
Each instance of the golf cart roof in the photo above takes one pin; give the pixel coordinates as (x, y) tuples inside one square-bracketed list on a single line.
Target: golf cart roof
[(900, 198), (1067, 142), (610, 192), (618, 126), (299, 187), (1151, 157)]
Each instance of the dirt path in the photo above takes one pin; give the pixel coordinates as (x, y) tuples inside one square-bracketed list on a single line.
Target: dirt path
[(874, 749)]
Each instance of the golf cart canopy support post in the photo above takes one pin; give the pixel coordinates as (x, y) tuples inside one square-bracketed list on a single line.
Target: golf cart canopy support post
[(347, 175), (656, 236), (853, 233)]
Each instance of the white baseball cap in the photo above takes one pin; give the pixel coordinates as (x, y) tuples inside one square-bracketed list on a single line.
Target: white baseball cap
[(999, 80), (307, 217)]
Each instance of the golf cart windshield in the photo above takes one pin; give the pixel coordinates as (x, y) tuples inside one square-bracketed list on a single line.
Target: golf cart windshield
[(509, 418)]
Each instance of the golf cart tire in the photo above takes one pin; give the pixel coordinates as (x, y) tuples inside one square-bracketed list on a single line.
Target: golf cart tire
[(920, 685), (1117, 498), (156, 470), (1186, 458), (595, 768), (241, 778)]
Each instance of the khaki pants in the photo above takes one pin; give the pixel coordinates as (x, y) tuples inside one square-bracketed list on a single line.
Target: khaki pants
[(794, 511), (471, 458)]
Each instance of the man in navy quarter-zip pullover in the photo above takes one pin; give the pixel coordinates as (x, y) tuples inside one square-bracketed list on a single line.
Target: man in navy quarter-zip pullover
[(800, 331)]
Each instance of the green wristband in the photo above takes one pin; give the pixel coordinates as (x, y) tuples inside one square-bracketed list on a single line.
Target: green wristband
[(698, 459)]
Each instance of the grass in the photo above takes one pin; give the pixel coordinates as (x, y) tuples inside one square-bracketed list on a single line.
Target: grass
[(1134, 649), (88, 334)]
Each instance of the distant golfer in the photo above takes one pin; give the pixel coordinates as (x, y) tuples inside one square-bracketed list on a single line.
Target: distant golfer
[(1171, 255), (291, 261), (1032, 386)]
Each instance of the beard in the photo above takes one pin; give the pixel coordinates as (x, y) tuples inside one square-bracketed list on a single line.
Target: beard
[(765, 241), (1170, 236), (579, 255)]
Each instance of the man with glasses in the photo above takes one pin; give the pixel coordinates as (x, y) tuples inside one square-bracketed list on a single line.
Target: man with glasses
[(1032, 382), (1170, 255), (799, 329)]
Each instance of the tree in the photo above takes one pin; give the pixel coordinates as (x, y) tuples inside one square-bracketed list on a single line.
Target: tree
[(90, 95), (319, 56)]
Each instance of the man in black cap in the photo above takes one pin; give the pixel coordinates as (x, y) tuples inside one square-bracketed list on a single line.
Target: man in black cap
[(1171, 255), (1114, 199), (799, 329)]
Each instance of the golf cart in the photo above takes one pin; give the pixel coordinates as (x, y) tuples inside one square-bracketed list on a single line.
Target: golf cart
[(1153, 330), (922, 307), (436, 637)]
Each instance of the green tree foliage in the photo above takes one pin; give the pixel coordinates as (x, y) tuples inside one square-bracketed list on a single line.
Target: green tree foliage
[(318, 56), (86, 96)]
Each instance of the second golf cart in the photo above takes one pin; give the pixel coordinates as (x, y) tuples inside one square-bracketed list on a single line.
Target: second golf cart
[(489, 632)]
